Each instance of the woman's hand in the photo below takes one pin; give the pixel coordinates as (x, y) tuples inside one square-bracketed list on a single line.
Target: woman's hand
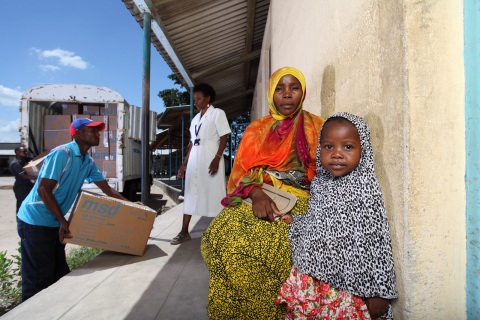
[(213, 169), (376, 306), (262, 205), (181, 171)]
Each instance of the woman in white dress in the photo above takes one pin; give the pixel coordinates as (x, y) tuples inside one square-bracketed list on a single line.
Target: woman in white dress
[(205, 177)]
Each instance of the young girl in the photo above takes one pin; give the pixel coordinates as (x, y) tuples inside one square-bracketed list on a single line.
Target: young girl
[(341, 248)]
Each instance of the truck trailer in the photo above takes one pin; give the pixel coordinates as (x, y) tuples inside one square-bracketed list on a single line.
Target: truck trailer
[(57, 101)]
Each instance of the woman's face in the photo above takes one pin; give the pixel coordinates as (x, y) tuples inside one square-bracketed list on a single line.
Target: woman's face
[(288, 95), (341, 150), (200, 101)]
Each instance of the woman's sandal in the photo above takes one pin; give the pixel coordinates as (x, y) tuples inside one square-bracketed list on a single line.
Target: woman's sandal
[(181, 237)]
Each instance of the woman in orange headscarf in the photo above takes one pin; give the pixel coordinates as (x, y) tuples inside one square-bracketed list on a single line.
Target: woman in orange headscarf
[(245, 249)]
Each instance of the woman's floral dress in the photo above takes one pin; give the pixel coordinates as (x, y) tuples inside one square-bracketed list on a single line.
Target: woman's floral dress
[(310, 299)]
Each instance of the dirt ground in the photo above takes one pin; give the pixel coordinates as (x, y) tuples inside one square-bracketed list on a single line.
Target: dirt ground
[(8, 228)]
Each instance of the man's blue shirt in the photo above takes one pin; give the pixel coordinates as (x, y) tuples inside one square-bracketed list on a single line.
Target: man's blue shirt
[(33, 211)]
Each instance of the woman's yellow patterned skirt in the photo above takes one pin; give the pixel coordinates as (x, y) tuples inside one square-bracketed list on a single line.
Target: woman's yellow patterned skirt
[(249, 259)]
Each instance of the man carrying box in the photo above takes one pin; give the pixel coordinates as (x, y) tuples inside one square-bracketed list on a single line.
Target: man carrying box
[(23, 184), (41, 223)]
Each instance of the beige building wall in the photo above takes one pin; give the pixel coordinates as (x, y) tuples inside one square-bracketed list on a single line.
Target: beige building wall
[(399, 65)]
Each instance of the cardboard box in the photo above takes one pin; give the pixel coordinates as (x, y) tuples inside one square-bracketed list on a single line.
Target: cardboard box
[(53, 139), (91, 110), (103, 119), (99, 163), (99, 155), (110, 109), (113, 153), (109, 168), (110, 224), (112, 138), (70, 108), (104, 139), (112, 123), (78, 116), (102, 111), (33, 167), (57, 122)]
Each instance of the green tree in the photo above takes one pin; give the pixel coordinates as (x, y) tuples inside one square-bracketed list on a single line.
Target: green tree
[(174, 97)]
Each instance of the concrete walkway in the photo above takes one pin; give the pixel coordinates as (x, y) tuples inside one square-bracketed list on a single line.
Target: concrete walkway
[(7, 181), (167, 282)]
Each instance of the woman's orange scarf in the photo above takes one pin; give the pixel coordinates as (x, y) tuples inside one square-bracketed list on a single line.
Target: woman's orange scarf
[(280, 142)]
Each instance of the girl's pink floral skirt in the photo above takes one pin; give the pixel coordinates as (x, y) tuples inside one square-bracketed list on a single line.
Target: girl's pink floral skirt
[(311, 299)]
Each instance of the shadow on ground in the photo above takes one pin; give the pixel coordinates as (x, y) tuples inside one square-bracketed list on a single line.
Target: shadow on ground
[(187, 277)]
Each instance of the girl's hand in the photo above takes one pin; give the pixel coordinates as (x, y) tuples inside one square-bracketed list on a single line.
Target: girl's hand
[(213, 169), (288, 218), (262, 205), (376, 306), (181, 171)]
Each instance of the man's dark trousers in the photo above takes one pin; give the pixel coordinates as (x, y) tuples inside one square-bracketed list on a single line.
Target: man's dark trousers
[(21, 192), (43, 258)]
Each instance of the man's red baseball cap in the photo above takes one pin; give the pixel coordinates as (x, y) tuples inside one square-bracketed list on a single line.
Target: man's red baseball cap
[(84, 122)]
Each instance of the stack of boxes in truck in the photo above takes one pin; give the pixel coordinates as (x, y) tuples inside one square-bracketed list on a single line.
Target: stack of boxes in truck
[(57, 132)]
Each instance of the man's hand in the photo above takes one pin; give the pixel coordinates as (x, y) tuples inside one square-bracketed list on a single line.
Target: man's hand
[(376, 306), (262, 205), (64, 232), (103, 185)]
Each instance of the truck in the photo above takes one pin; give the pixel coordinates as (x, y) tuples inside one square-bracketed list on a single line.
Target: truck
[(51, 99)]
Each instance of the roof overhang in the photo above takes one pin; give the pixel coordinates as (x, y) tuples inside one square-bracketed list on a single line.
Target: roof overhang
[(214, 41)]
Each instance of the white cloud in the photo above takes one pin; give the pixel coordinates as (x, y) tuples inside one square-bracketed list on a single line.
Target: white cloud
[(65, 58), (34, 50), (9, 97), (49, 67), (9, 131)]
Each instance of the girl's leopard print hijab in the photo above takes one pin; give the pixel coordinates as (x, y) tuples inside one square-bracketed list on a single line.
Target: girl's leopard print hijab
[(343, 239)]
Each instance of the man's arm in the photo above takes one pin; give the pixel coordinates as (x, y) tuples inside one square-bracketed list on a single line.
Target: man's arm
[(24, 175), (45, 187), (103, 185)]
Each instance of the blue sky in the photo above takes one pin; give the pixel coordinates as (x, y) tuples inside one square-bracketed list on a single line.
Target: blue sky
[(93, 42)]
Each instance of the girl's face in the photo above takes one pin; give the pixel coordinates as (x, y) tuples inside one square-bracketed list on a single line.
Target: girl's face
[(288, 95), (341, 149), (200, 101)]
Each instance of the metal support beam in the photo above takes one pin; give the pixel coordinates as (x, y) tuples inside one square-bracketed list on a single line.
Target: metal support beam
[(170, 147), (183, 133), (246, 57), (146, 6), (146, 109), (191, 104)]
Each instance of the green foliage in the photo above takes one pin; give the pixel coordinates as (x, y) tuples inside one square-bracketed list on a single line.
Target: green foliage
[(174, 97), (78, 256), (175, 79), (10, 281)]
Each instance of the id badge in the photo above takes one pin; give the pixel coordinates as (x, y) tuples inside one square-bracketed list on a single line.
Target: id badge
[(196, 142)]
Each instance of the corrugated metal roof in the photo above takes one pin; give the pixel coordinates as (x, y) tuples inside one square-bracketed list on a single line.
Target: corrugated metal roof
[(209, 33)]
